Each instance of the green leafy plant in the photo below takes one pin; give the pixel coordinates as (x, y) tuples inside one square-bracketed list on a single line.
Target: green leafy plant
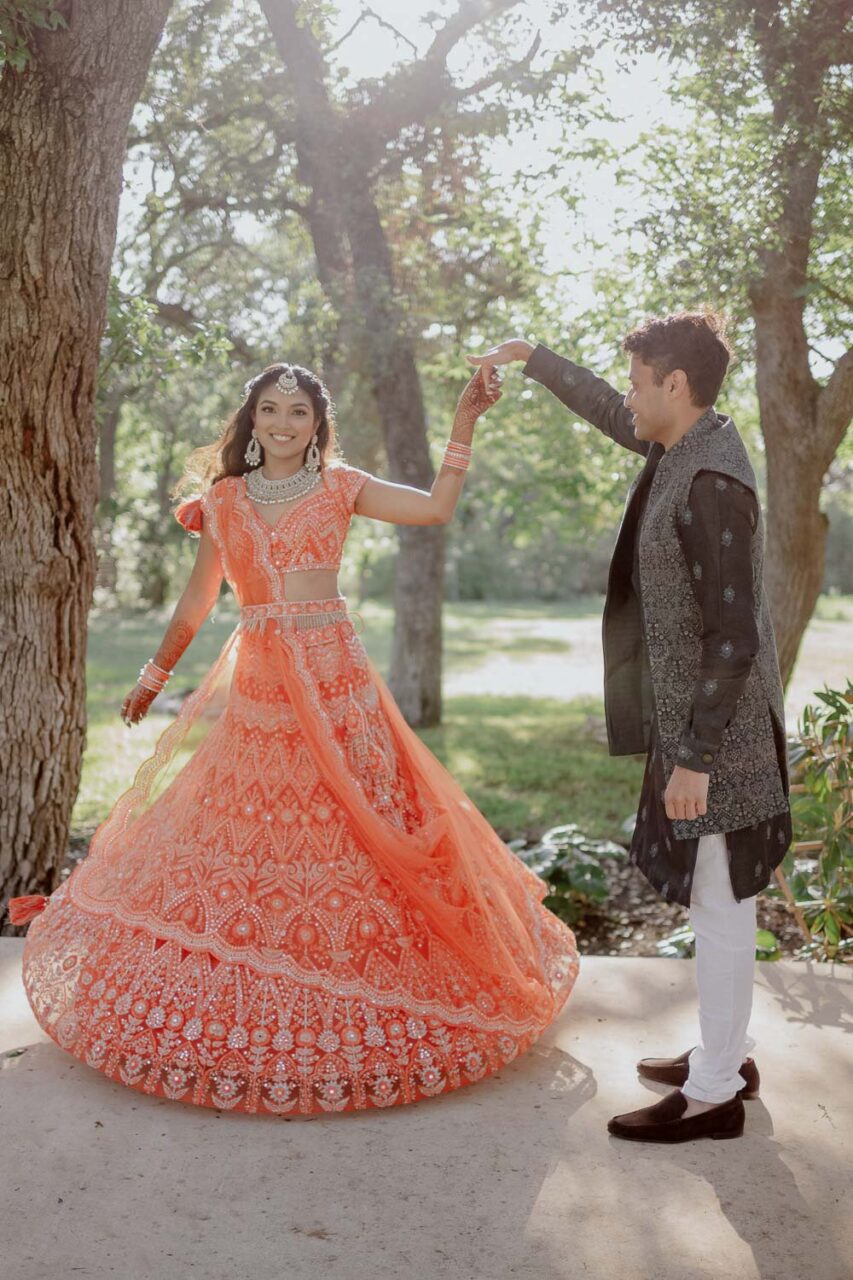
[(817, 874), (138, 348), (18, 19), (570, 864), (681, 944)]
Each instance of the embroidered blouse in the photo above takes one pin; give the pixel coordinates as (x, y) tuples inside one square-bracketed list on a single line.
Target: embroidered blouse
[(256, 555)]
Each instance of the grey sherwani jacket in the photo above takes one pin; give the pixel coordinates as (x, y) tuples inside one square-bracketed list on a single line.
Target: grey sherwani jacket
[(658, 641)]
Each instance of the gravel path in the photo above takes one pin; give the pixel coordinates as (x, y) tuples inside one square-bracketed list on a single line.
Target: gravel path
[(570, 664)]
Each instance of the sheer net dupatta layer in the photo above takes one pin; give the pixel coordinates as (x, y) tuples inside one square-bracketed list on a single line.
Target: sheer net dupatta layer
[(477, 897), (135, 829)]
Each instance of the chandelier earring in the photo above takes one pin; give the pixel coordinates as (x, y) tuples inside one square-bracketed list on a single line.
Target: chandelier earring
[(312, 458), (252, 454)]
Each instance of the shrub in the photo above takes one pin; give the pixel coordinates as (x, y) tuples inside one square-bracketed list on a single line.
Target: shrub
[(817, 873), (569, 862)]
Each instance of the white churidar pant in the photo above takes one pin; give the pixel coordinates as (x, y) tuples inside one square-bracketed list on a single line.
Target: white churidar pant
[(725, 967)]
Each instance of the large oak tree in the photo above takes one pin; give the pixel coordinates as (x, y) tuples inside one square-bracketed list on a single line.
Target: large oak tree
[(65, 110)]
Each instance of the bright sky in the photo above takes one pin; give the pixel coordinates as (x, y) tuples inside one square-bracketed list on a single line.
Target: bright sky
[(637, 96)]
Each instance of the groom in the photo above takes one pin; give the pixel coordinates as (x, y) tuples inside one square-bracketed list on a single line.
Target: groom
[(691, 677)]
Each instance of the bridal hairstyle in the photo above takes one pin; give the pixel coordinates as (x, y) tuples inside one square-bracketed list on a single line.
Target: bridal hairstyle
[(211, 462), (694, 341)]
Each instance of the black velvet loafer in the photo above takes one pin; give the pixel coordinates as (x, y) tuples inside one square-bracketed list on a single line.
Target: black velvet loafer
[(663, 1122), (674, 1071)]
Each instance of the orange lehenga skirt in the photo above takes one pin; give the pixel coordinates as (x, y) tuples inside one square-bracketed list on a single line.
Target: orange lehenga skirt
[(304, 914)]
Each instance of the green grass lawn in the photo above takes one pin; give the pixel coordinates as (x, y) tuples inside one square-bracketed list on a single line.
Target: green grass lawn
[(528, 763), (531, 763)]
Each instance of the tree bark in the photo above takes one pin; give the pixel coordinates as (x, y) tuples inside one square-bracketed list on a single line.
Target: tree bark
[(65, 121), (802, 422), (803, 427), (416, 652)]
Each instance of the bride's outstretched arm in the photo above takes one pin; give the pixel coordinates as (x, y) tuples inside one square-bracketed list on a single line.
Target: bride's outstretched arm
[(403, 504), (196, 602)]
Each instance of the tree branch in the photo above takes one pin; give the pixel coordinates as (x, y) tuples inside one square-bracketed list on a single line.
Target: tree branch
[(382, 22), (283, 129), (418, 90), (190, 202), (503, 75), (835, 406), (179, 317)]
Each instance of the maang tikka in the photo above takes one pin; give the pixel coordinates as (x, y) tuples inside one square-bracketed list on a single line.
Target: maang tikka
[(287, 382)]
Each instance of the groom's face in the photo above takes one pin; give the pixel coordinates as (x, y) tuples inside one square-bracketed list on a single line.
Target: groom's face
[(650, 404)]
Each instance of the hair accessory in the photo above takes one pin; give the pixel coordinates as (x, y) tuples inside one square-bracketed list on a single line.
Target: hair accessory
[(287, 381)]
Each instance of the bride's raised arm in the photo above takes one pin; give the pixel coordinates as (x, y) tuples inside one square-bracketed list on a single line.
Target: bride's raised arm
[(403, 504)]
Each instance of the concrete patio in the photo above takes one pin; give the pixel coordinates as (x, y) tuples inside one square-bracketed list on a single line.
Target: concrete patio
[(514, 1177)]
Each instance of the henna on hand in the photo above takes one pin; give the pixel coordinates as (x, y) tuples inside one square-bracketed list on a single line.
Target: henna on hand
[(136, 704), (483, 390), (178, 636)]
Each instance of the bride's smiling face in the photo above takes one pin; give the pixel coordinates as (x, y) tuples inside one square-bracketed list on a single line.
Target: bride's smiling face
[(284, 424)]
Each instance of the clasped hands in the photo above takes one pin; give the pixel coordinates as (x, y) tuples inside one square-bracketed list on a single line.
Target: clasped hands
[(480, 393)]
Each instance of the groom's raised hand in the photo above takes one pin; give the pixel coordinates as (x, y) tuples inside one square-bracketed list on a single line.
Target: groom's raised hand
[(505, 353)]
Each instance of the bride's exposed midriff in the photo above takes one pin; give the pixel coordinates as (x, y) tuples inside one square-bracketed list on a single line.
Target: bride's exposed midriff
[(310, 584)]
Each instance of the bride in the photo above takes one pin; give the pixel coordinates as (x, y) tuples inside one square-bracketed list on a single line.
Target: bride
[(303, 912)]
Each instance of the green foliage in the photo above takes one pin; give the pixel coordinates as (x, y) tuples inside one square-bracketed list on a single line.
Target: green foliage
[(218, 226), (570, 863), (19, 19), (822, 881), (678, 945), (138, 348), (769, 99), (681, 944), (766, 945), (217, 231)]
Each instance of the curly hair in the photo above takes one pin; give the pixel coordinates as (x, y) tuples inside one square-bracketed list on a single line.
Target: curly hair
[(694, 341), (224, 457)]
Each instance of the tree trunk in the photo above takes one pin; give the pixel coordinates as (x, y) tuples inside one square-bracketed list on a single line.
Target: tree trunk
[(65, 121), (416, 652), (154, 576), (802, 422), (796, 527), (355, 267)]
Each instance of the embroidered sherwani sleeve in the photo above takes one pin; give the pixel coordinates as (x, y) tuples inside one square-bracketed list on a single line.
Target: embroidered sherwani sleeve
[(716, 531), (587, 395)]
